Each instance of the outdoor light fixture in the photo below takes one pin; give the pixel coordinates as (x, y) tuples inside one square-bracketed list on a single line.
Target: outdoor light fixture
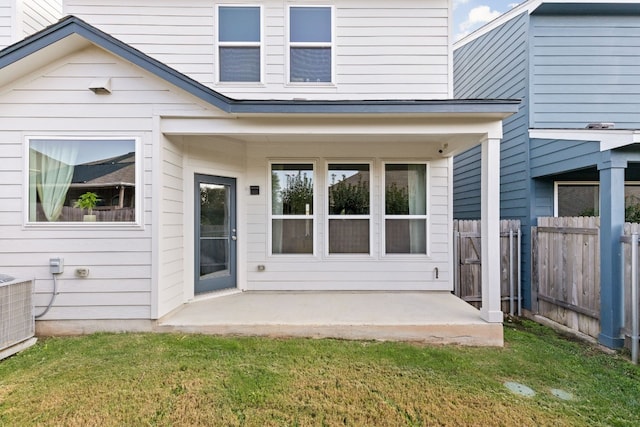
[(101, 86)]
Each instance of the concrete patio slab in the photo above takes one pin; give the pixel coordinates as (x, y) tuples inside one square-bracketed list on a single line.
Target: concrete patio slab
[(430, 317)]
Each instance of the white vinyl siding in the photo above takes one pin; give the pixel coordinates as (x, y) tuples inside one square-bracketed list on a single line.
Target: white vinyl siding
[(7, 22), (21, 18), (172, 268), (383, 49), (38, 14), (326, 271), (56, 101)]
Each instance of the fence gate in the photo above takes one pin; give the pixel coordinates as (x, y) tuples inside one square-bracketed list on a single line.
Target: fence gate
[(565, 271), (468, 263)]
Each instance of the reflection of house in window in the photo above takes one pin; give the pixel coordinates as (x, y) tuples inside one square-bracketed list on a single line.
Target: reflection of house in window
[(63, 170), (113, 180)]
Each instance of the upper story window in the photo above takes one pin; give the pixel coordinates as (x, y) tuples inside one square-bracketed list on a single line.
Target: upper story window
[(239, 44), (82, 180), (310, 44)]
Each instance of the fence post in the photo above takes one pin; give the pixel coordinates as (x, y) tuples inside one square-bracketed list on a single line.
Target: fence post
[(634, 298), (456, 260), (519, 261), (535, 279), (511, 287)]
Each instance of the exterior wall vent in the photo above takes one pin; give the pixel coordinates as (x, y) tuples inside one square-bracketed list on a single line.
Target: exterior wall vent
[(17, 322), (601, 125)]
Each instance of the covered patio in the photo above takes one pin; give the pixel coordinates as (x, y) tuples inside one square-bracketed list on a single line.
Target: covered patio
[(426, 317)]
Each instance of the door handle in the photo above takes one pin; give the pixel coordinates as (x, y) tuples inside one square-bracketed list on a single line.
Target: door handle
[(234, 238)]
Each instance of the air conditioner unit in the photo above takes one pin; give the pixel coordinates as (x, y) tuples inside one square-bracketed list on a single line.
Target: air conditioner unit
[(17, 323)]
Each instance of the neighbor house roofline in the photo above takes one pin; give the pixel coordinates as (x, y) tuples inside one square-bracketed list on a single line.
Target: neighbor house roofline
[(560, 7), (72, 25)]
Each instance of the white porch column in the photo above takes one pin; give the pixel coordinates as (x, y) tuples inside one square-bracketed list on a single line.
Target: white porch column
[(490, 229)]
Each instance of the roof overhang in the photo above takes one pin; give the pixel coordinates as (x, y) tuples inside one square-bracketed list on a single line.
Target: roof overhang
[(447, 135), (555, 7), (452, 124), (609, 138), (71, 34)]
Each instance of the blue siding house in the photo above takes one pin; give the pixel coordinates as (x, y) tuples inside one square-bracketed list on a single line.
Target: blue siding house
[(575, 140)]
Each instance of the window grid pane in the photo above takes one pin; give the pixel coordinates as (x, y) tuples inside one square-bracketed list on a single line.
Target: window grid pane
[(239, 24), (292, 236), (406, 236), (578, 200), (348, 236), (348, 189), (239, 64), (310, 24), (310, 64)]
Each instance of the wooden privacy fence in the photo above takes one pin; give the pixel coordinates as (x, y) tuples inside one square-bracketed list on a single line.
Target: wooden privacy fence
[(468, 268), (631, 282), (565, 271)]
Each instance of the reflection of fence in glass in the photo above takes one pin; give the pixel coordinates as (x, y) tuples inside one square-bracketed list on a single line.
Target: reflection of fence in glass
[(72, 214)]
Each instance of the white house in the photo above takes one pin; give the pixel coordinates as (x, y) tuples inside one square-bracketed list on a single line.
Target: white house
[(20, 18), (256, 146)]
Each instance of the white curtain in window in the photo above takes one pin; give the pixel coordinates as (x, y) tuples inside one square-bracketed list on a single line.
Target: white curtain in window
[(417, 206), (54, 165)]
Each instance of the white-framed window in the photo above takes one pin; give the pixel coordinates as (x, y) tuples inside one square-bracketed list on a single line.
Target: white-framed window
[(348, 208), (582, 198), (405, 208), (239, 38), (293, 216), (310, 39), (83, 180)]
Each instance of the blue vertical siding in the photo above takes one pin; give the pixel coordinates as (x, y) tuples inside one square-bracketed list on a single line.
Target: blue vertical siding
[(585, 69), (496, 66), (466, 184)]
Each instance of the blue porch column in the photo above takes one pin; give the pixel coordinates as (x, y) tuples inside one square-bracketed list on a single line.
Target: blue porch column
[(611, 170)]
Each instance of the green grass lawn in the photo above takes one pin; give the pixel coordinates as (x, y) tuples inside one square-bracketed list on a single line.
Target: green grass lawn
[(164, 379)]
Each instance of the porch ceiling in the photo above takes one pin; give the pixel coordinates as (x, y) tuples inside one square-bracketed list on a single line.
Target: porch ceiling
[(448, 135)]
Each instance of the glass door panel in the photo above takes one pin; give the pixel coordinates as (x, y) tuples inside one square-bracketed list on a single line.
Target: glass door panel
[(215, 233)]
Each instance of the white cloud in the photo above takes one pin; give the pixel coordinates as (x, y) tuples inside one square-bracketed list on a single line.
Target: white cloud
[(477, 17)]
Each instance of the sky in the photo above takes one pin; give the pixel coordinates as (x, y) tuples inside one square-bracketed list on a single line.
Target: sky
[(469, 15)]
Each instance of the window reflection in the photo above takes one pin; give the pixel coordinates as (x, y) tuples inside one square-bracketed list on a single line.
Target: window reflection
[(82, 180)]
